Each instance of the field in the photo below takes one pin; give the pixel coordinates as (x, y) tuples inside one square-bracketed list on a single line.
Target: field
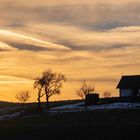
[(96, 124), (116, 124)]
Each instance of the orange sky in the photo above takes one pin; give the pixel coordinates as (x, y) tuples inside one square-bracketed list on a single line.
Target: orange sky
[(84, 39)]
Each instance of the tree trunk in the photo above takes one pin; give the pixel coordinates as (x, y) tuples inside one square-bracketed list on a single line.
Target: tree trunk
[(47, 103), (85, 107), (23, 107), (39, 104)]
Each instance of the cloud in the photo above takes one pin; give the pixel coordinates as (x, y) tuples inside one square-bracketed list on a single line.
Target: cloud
[(79, 39), (12, 79), (95, 15), (23, 40), (92, 15), (93, 80), (102, 68), (6, 47)]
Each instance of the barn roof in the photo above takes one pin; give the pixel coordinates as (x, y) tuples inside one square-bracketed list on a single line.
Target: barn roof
[(131, 81)]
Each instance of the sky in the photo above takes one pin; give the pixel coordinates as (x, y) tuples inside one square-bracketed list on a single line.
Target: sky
[(92, 40)]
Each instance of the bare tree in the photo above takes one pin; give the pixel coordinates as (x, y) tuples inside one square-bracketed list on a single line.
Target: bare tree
[(23, 97), (53, 84), (49, 84), (107, 94), (84, 90), (39, 84)]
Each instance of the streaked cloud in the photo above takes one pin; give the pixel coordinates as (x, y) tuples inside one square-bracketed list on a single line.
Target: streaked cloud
[(12, 37), (12, 79), (80, 39), (92, 15), (6, 47)]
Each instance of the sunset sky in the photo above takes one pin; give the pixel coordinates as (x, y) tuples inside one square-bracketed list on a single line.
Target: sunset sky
[(93, 40)]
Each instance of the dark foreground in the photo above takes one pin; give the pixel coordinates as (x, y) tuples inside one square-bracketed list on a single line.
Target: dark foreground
[(96, 125)]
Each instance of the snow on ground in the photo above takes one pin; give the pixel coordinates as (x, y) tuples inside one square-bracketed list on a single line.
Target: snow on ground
[(70, 106), (8, 109), (80, 107), (73, 108), (9, 112), (14, 115)]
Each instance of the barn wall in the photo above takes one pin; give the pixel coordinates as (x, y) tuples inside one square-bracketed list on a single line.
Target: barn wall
[(126, 92)]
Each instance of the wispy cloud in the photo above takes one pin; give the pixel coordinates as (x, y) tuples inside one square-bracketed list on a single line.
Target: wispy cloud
[(80, 39), (6, 47), (92, 15), (9, 36), (13, 79)]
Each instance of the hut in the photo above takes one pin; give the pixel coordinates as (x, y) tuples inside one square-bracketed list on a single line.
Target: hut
[(129, 86), (92, 99)]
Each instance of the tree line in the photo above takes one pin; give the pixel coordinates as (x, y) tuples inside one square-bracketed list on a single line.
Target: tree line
[(49, 84)]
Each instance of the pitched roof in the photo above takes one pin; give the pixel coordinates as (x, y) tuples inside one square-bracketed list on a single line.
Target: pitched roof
[(131, 81)]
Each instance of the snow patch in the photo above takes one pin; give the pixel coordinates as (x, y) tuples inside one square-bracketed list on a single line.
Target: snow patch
[(4, 117), (80, 107)]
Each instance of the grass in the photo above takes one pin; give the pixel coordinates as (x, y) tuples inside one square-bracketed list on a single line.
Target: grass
[(5, 104), (31, 108), (96, 125), (80, 125), (97, 117)]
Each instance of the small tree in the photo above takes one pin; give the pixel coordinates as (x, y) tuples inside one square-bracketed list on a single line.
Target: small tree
[(49, 84), (107, 94), (53, 84), (84, 90), (23, 97), (39, 84)]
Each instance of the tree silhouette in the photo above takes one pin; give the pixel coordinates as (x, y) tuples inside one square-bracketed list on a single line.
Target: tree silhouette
[(22, 97), (53, 84), (49, 84), (84, 90), (39, 84), (107, 94)]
